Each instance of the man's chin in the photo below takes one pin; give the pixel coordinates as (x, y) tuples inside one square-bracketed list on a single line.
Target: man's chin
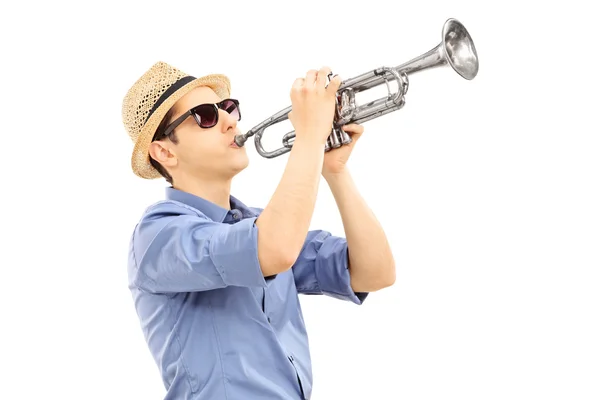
[(239, 165)]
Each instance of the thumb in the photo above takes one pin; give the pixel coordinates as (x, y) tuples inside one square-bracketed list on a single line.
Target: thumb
[(353, 129)]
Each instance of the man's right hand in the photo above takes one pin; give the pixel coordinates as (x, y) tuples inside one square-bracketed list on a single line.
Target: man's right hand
[(313, 105)]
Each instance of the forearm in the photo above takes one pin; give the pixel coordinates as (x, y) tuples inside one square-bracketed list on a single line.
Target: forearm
[(371, 261), (284, 223)]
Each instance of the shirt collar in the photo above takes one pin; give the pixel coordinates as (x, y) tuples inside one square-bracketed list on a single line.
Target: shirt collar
[(208, 208)]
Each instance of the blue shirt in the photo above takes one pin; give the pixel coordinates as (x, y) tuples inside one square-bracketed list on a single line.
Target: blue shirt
[(216, 327)]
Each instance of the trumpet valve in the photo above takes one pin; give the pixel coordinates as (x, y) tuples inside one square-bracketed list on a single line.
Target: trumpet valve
[(345, 106)]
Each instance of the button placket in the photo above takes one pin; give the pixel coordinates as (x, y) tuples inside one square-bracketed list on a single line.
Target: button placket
[(291, 358), (265, 306)]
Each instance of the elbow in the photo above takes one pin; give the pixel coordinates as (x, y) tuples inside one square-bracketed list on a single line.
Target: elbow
[(381, 279), (275, 255), (388, 277), (286, 253), (390, 280), (387, 273), (275, 262), (287, 260), (383, 282)]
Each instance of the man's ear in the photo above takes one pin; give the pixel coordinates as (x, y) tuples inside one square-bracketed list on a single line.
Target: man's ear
[(161, 152)]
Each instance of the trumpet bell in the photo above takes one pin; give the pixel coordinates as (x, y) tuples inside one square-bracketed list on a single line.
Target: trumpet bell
[(460, 49)]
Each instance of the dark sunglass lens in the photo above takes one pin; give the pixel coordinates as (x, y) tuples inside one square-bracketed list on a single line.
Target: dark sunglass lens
[(232, 108), (207, 115)]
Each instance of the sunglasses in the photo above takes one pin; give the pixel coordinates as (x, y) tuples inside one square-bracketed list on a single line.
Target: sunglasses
[(207, 115)]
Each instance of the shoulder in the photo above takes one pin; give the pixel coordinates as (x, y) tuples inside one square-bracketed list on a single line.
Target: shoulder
[(165, 212), (169, 208)]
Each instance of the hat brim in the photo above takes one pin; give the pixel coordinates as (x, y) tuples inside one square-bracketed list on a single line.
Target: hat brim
[(140, 159)]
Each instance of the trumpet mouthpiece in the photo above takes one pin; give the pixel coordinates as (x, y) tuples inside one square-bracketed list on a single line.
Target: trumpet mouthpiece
[(240, 140)]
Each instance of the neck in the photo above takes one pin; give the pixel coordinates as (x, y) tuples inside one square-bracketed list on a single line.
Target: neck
[(215, 191)]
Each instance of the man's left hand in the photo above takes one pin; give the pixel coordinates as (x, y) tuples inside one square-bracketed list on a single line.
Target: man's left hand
[(335, 160)]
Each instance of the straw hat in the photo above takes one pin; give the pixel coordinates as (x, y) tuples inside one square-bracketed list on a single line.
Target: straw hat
[(150, 98)]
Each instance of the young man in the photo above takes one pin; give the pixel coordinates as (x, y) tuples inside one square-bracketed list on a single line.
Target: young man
[(215, 283)]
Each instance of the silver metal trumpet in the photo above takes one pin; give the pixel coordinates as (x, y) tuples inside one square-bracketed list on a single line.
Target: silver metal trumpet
[(456, 49)]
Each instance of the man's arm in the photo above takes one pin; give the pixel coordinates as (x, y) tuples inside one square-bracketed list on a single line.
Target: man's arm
[(371, 262), (283, 225)]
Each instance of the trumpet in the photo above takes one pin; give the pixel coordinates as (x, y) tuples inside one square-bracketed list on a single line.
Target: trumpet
[(456, 50)]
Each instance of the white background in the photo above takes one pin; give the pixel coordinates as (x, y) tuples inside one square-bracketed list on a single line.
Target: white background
[(488, 191)]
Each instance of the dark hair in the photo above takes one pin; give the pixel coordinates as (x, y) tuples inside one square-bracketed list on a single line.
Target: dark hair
[(159, 135)]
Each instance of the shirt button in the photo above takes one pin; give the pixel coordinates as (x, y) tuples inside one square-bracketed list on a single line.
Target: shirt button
[(269, 319)]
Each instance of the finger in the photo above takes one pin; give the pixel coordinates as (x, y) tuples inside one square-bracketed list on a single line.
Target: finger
[(311, 77), (334, 84), (322, 76), (297, 86), (355, 129), (298, 83)]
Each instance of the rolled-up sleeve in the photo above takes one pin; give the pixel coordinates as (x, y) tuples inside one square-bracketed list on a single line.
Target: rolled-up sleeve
[(322, 268), (185, 253)]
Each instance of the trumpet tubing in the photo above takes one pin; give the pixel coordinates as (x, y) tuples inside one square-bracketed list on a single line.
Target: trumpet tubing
[(456, 50)]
